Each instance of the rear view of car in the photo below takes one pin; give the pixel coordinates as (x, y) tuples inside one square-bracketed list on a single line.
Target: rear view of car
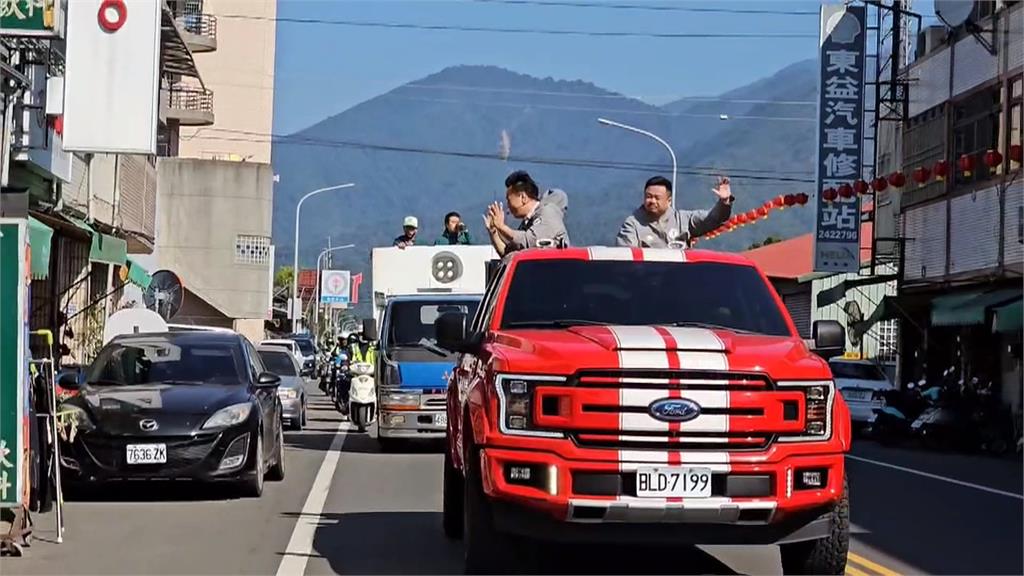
[(183, 405), (292, 391), (863, 386)]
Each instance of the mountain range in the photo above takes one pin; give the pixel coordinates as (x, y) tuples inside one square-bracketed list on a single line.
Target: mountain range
[(447, 141)]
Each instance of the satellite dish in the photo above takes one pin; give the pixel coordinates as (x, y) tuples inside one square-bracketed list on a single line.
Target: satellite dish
[(954, 12), (165, 294), (132, 321)]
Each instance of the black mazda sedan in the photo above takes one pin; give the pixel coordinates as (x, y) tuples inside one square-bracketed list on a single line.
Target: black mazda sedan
[(174, 405)]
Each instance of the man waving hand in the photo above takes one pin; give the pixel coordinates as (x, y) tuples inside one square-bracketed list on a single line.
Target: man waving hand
[(655, 225)]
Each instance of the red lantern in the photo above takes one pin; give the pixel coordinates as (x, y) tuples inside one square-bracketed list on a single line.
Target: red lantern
[(741, 219), (966, 164), (879, 184), (763, 212), (829, 194), (1017, 153), (846, 191), (860, 187), (789, 199), (779, 202), (897, 179), (993, 158), (921, 175), (752, 216), (941, 170), (802, 198)]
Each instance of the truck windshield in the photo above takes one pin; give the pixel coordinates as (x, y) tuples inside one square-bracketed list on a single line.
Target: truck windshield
[(558, 293), (408, 322)]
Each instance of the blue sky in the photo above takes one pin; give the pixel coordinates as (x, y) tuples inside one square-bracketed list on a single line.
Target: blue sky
[(322, 70)]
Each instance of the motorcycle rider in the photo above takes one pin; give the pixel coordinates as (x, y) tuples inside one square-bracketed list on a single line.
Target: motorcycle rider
[(360, 350)]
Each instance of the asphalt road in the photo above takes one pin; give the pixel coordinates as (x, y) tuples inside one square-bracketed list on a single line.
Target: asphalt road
[(345, 508)]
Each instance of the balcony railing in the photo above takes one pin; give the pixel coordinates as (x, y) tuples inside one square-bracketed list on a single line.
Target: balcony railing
[(190, 98), (199, 24)]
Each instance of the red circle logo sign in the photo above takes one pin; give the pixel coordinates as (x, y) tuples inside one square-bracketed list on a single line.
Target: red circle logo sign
[(336, 285), (112, 15)]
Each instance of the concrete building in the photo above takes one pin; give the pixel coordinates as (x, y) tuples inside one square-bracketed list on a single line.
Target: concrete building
[(959, 240)]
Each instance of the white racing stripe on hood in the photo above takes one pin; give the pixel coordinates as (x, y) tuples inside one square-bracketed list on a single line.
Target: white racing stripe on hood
[(689, 338), (663, 255), (610, 253)]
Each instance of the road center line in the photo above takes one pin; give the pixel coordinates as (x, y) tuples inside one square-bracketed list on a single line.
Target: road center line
[(300, 546), (937, 477), (864, 562)]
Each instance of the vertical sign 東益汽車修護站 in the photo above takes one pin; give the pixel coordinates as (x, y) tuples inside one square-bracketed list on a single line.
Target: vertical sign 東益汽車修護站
[(840, 137)]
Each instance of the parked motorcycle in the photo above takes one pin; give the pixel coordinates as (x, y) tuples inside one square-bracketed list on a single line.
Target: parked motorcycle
[(362, 396)]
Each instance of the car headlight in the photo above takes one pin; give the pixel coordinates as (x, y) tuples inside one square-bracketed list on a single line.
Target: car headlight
[(287, 393), (400, 401), (229, 416), (818, 398), (83, 421), (516, 399)]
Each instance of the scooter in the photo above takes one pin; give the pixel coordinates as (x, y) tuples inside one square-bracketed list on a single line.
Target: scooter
[(362, 396)]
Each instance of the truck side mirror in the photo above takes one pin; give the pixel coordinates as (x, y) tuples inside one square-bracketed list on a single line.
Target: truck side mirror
[(450, 331), (370, 329), (829, 338)]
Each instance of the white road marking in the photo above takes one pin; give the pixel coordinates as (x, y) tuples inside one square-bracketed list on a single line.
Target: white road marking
[(300, 546), (937, 477)]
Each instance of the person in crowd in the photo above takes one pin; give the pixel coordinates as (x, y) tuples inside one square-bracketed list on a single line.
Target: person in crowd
[(655, 225), (408, 238), (541, 218), (455, 231)]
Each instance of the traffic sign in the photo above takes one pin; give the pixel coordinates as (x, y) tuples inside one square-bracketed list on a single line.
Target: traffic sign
[(334, 287)]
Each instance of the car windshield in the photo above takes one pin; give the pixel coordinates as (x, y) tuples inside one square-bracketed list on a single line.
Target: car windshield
[(289, 346), (856, 371), (169, 361), (306, 347), (408, 322), (279, 363), (558, 293)]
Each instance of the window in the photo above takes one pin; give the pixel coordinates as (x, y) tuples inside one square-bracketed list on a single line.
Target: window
[(975, 131), (484, 312), (279, 363), (165, 360), (856, 371), (408, 322), (1015, 118), (255, 364), (641, 293), (252, 249)]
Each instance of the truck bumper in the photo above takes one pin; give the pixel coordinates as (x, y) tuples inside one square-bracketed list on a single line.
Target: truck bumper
[(412, 424), (751, 502)]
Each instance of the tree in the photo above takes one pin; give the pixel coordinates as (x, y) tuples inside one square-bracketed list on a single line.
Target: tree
[(284, 277)]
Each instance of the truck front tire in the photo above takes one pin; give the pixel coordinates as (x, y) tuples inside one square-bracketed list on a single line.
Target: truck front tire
[(451, 508), (825, 555), (487, 550)]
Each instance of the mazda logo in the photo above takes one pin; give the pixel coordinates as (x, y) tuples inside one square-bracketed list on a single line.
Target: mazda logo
[(674, 409), (148, 425)]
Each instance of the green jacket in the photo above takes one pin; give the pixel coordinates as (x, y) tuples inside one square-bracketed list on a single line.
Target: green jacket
[(448, 239)]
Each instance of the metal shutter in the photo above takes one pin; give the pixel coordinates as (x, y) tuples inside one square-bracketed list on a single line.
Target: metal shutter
[(799, 306), (974, 231), (1013, 224), (924, 229)]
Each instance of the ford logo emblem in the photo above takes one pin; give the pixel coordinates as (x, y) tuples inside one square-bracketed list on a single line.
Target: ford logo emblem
[(674, 409)]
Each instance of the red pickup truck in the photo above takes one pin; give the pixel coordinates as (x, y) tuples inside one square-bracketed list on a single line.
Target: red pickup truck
[(654, 396)]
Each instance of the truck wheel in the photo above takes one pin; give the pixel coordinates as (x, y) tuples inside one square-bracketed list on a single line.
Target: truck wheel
[(451, 508), (487, 551), (826, 555)]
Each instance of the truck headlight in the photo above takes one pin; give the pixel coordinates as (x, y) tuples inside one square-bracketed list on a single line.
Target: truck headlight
[(516, 403), (229, 416), (818, 399), (400, 401)]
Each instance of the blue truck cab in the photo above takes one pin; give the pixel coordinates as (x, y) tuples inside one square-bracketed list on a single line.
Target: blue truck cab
[(413, 381)]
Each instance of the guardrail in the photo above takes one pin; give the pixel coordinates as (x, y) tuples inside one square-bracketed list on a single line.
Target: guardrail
[(199, 24), (190, 98)]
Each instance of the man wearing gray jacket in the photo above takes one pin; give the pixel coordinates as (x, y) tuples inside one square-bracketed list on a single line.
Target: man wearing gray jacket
[(543, 217), (655, 225)]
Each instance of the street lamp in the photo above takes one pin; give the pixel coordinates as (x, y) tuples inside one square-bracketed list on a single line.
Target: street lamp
[(319, 259), (295, 260), (675, 184)]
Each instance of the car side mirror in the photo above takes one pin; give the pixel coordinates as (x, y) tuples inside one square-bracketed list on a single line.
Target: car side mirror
[(68, 381), (829, 338), (268, 380), (451, 332), (370, 329)]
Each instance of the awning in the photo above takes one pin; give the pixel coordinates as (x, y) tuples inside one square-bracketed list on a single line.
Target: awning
[(136, 274), (968, 308), (105, 249), (39, 238), (1009, 317)]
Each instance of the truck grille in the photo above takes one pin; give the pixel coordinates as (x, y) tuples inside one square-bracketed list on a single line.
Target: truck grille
[(612, 410)]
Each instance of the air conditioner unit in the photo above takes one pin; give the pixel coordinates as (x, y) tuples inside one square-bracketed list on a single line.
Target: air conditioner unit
[(931, 39)]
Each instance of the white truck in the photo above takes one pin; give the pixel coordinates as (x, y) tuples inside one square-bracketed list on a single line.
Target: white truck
[(411, 288)]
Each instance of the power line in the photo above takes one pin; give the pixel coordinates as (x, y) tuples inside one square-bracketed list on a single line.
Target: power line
[(540, 31), (595, 109), (246, 136), (649, 7), (607, 96)]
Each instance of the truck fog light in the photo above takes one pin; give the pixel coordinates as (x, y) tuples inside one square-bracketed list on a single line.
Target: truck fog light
[(520, 473), (552, 479), (518, 422), (813, 479), (396, 419), (816, 428)]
